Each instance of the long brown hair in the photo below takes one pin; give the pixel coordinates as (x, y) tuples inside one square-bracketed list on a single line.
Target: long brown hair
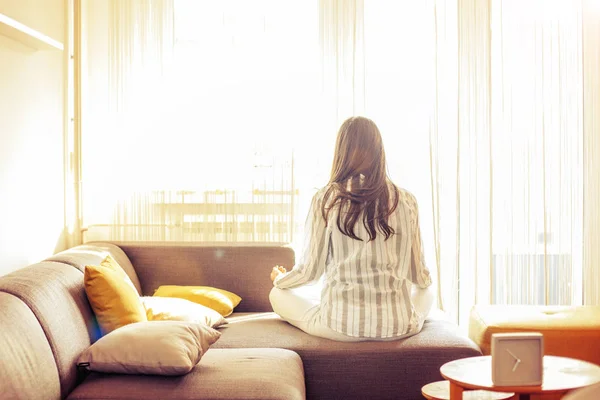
[(359, 180)]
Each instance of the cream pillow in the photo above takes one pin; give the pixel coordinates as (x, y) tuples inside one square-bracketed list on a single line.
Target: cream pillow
[(175, 309), (150, 348)]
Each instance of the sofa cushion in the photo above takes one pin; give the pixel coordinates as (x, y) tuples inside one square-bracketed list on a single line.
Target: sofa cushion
[(398, 369), (27, 367), (221, 374), (55, 294), (94, 254), (561, 326), (243, 270)]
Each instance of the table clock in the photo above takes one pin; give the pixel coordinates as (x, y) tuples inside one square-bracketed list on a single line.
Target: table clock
[(517, 359)]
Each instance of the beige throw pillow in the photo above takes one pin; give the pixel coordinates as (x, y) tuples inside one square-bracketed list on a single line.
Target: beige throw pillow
[(150, 348), (175, 309)]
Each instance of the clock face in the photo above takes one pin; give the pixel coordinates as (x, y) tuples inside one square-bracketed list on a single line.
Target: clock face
[(517, 361)]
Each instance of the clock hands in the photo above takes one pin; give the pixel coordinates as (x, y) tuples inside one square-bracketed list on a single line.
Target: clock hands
[(512, 355), (516, 365), (517, 360)]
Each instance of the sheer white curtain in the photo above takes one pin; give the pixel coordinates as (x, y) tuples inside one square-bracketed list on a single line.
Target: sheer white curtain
[(591, 148), (126, 63), (480, 105), (516, 233), (215, 121), (538, 177), (342, 38), (197, 115)]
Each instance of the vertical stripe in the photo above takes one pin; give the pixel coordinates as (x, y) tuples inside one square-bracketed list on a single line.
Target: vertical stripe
[(350, 286), (394, 303), (405, 238), (409, 309), (361, 295), (384, 306), (338, 282), (344, 314), (415, 255), (327, 294), (376, 275), (414, 259), (320, 255), (353, 256), (332, 283), (393, 286), (389, 262), (368, 288), (331, 291)]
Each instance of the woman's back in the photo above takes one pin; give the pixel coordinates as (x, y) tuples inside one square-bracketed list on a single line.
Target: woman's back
[(367, 283)]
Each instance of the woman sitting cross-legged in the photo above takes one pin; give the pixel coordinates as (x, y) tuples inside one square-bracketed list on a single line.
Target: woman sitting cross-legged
[(363, 237)]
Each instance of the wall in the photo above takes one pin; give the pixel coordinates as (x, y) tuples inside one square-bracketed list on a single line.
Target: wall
[(32, 207)]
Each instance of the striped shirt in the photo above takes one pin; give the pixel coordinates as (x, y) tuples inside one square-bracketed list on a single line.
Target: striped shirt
[(367, 285)]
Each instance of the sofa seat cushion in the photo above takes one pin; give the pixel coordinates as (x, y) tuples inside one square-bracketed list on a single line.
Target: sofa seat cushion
[(270, 374), (561, 326), (336, 370)]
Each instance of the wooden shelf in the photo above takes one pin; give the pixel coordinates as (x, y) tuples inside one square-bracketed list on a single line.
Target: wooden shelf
[(26, 35)]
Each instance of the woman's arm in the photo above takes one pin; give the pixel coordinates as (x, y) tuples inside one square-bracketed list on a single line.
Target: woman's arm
[(419, 273), (311, 266)]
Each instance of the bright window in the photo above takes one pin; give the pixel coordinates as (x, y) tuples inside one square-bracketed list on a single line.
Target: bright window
[(214, 121)]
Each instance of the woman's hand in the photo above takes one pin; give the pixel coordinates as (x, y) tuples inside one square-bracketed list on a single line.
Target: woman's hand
[(277, 270)]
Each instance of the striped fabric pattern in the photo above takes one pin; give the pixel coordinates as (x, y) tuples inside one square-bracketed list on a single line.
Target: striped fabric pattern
[(367, 285)]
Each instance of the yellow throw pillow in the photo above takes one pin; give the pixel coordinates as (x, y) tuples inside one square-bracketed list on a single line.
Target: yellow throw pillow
[(111, 263), (115, 302), (219, 300)]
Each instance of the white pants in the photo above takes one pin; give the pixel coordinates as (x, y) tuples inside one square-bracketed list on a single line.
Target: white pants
[(301, 308)]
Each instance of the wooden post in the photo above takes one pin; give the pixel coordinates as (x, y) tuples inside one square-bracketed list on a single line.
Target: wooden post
[(456, 392)]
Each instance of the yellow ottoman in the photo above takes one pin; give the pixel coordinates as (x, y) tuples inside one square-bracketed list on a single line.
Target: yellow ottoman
[(568, 331)]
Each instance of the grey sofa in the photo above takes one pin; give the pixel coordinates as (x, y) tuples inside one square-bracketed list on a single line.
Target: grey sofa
[(46, 322)]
